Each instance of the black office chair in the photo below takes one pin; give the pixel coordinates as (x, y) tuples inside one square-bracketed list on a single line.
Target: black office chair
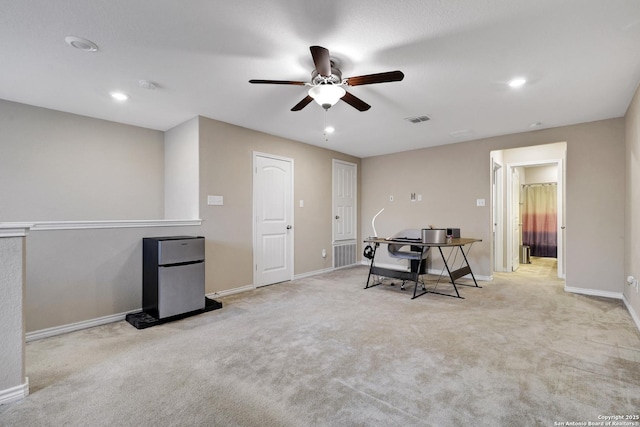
[(413, 254)]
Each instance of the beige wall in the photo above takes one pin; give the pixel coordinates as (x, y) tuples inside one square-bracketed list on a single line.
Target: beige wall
[(117, 173), (181, 171), (78, 275), (451, 178), (632, 205), (57, 166), (226, 158), (541, 174)]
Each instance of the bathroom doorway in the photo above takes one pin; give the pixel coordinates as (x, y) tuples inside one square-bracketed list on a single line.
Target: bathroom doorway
[(536, 165)]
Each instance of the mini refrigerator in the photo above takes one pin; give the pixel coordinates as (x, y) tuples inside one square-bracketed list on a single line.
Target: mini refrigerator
[(172, 275)]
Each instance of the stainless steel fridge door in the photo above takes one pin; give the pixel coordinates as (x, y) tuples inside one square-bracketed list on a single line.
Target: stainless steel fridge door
[(175, 251), (180, 289)]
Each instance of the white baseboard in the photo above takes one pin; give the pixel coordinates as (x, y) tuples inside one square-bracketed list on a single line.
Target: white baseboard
[(593, 292), (468, 276), (64, 329), (607, 294), (246, 288), (14, 394), (228, 292), (85, 324), (634, 315), (317, 272)]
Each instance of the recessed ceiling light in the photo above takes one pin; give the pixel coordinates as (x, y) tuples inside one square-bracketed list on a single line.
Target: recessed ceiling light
[(119, 96), (80, 43), (517, 82), (329, 129)]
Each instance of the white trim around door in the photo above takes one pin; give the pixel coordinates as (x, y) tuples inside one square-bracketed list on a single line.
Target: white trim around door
[(273, 219)]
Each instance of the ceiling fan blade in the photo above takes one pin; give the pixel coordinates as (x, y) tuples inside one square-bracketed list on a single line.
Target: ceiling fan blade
[(389, 76), (277, 82), (300, 105), (355, 102), (321, 60)]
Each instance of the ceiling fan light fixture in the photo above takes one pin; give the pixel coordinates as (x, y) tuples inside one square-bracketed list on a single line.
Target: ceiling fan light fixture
[(327, 83), (326, 95)]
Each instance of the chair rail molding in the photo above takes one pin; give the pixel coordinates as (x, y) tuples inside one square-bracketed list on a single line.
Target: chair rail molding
[(85, 225)]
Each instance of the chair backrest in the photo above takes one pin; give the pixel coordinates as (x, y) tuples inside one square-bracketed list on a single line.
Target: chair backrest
[(395, 249)]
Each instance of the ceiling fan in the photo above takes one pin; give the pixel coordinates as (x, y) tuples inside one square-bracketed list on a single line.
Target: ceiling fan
[(327, 83)]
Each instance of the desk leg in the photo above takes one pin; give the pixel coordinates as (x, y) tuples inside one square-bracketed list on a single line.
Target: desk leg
[(375, 249), (462, 271), (453, 281), (470, 272), (416, 277)]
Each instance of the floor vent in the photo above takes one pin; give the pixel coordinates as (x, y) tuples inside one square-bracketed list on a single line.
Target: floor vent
[(344, 255)]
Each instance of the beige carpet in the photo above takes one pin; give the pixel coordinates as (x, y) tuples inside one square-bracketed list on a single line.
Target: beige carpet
[(322, 351)]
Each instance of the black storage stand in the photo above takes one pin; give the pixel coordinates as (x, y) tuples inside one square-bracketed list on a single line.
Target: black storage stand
[(172, 281), (143, 320)]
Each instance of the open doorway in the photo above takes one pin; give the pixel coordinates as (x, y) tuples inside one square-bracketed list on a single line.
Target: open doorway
[(514, 172)]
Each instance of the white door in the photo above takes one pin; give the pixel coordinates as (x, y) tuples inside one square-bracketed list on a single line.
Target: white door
[(515, 219), (560, 210), (345, 178), (497, 214), (273, 212)]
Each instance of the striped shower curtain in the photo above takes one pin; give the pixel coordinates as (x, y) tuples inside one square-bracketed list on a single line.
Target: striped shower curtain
[(540, 219)]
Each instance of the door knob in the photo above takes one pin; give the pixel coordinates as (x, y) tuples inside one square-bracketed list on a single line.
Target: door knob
[(288, 227), (337, 217)]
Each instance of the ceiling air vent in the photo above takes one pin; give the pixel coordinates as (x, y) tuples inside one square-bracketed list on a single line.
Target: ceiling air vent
[(418, 119)]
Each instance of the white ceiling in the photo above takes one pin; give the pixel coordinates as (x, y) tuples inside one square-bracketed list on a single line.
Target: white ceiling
[(581, 59)]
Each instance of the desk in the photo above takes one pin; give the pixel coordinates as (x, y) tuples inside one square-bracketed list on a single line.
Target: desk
[(456, 245)]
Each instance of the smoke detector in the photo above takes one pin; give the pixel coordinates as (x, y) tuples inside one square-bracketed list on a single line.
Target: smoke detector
[(148, 84), (462, 133)]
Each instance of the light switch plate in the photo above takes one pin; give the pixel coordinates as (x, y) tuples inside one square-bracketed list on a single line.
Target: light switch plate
[(480, 202)]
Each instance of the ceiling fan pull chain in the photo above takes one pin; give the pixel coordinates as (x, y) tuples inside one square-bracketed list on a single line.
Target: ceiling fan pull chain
[(326, 135)]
